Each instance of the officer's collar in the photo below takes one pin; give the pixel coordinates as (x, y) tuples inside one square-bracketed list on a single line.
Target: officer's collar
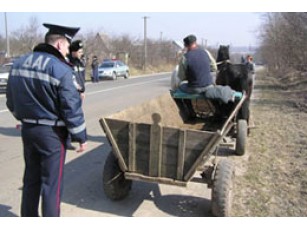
[(46, 48)]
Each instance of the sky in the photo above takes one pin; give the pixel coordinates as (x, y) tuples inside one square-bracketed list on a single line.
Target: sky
[(215, 22), (238, 29)]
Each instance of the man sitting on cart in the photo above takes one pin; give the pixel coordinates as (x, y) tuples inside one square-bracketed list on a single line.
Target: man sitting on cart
[(195, 78), (194, 67)]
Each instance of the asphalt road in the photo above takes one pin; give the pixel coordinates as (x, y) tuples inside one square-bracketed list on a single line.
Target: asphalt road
[(83, 194)]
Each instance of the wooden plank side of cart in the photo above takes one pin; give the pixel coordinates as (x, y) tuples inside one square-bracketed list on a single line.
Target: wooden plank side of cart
[(159, 153), (154, 153)]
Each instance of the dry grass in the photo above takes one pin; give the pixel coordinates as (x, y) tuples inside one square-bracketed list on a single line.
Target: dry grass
[(272, 177), (151, 69)]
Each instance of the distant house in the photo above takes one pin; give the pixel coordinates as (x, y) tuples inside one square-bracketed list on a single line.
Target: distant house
[(99, 46)]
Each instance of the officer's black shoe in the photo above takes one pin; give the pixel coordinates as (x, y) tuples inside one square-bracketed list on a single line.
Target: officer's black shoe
[(70, 147)]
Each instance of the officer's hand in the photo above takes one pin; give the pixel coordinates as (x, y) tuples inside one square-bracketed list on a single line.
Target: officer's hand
[(82, 147), (82, 95)]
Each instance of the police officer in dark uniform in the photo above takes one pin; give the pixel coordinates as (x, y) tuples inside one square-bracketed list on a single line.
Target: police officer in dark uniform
[(42, 95), (94, 66), (75, 58)]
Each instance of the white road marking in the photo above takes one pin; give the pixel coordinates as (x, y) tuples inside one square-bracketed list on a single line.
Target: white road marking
[(3, 111), (110, 89), (125, 86), (131, 77)]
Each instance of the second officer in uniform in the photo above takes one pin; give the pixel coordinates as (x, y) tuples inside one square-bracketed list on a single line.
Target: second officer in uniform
[(75, 59)]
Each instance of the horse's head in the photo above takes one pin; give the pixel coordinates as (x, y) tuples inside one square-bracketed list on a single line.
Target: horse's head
[(223, 53), (233, 75), (230, 74)]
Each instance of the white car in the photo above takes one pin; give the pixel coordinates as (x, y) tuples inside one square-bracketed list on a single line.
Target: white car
[(4, 75), (113, 69)]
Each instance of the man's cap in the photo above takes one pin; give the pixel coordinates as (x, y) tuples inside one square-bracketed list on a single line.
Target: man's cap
[(68, 32), (189, 40), (76, 45)]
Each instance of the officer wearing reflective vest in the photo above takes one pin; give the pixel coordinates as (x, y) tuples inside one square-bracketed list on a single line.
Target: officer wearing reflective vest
[(42, 95)]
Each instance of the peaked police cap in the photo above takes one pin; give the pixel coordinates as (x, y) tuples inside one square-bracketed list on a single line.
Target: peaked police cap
[(68, 32)]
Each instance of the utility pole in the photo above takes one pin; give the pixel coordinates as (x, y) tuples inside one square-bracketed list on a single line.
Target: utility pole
[(204, 45), (145, 42), (7, 37)]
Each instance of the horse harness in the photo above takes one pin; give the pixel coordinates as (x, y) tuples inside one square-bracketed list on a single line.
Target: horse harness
[(220, 63), (223, 62)]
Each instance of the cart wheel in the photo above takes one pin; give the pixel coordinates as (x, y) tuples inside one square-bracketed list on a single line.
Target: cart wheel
[(222, 188), (115, 185), (241, 137)]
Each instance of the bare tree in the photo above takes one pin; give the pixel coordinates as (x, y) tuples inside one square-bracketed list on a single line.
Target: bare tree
[(2, 43), (283, 41), (24, 39), (2, 50), (123, 46), (160, 52)]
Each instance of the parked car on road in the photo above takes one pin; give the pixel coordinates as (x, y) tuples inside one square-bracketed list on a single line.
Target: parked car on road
[(113, 69), (4, 75)]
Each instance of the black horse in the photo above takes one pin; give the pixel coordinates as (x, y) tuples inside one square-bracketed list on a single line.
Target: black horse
[(236, 76)]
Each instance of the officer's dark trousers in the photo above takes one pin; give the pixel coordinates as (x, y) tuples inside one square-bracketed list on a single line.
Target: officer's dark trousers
[(44, 154)]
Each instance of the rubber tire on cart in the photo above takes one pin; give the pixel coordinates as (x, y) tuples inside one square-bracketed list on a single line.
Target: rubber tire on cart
[(221, 196), (115, 185), (241, 137)]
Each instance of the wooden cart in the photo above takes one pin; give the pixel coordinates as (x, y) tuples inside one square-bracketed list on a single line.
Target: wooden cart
[(151, 143)]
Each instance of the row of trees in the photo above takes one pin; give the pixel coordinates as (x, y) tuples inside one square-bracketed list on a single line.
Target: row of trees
[(160, 52), (104, 46), (284, 41), (282, 38)]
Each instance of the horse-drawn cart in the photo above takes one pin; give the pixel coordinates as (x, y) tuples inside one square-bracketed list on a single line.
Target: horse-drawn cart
[(151, 143)]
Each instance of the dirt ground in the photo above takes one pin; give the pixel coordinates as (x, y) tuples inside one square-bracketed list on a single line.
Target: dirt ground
[(271, 179)]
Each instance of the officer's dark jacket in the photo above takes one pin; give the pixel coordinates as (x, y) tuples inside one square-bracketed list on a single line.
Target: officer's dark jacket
[(40, 86), (198, 68), (79, 69), (94, 66)]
